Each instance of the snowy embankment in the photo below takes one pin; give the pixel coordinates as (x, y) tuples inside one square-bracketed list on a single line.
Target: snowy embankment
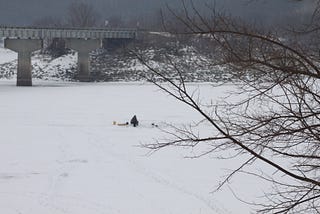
[(43, 66), (61, 153), (6, 55), (115, 66)]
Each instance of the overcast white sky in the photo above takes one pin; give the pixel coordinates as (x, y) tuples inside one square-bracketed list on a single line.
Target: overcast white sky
[(24, 12)]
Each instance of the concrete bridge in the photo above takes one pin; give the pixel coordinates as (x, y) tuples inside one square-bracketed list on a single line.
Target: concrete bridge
[(25, 40)]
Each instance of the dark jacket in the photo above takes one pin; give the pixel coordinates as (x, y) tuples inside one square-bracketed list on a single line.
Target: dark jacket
[(134, 121)]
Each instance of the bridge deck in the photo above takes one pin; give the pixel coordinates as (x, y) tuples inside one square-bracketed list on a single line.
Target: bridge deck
[(92, 33)]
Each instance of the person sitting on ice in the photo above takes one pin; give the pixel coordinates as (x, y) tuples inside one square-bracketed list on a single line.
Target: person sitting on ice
[(134, 121)]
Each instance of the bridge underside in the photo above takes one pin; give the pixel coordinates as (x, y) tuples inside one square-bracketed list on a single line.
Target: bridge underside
[(26, 40)]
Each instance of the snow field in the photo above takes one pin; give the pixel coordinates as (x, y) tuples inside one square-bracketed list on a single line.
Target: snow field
[(60, 153)]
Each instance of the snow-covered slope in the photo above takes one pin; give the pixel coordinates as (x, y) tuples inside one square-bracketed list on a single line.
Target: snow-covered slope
[(43, 66), (61, 68), (6, 55), (118, 65), (61, 153)]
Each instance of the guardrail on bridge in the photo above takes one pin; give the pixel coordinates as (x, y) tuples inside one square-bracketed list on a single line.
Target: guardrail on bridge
[(84, 33)]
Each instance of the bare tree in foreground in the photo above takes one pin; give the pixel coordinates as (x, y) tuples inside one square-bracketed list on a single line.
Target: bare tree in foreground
[(278, 124)]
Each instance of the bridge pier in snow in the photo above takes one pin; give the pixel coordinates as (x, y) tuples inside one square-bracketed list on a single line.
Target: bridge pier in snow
[(24, 48), (83, 47)]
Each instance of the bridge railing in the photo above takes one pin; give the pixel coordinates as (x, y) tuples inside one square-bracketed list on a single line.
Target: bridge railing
[(93, 33)]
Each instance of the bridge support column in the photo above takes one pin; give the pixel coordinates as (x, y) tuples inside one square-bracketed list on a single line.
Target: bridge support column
[(83, 47), (24, 47)]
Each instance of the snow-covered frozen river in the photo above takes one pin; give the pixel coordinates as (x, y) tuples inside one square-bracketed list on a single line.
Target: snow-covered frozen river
[(60, 153)]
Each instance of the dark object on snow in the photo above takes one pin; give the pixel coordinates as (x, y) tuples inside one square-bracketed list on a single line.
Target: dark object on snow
[(123, 124), (134, 121)]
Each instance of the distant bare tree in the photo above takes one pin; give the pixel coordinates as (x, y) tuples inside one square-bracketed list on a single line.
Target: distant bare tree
[(278, 121), (81, 14), (115, 21), (48, 21), (56, 46)]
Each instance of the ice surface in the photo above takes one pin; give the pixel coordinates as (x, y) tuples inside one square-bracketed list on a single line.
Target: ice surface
[(61, 153)]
